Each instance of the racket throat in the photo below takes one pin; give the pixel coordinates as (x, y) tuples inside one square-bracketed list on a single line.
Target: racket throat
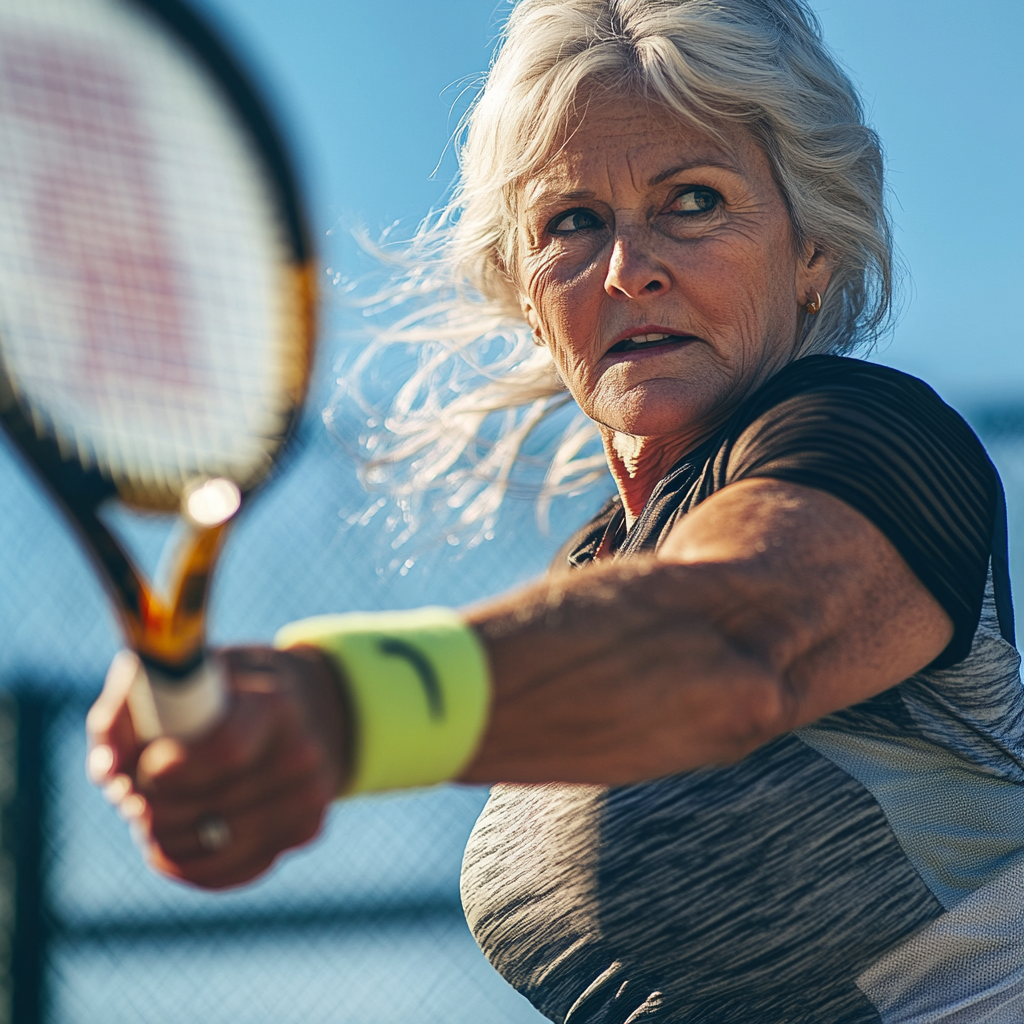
[(169, 631), (177, 689), (172, 673)]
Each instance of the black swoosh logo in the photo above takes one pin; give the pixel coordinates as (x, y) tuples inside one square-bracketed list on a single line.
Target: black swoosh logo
[(424, 670)]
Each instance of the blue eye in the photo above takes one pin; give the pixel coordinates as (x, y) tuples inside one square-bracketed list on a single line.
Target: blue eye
[(575, 220), (696, 199)]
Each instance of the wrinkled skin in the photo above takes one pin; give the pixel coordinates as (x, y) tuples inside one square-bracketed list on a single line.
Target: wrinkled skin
[(643, 222)]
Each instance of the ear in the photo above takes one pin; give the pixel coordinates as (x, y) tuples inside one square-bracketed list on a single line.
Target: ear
[(813, 273), (531, 317)]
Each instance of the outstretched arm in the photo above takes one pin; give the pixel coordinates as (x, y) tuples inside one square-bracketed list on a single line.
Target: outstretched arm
[(767, 607)]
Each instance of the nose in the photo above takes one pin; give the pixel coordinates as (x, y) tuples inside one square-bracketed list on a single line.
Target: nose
[(633, 270)]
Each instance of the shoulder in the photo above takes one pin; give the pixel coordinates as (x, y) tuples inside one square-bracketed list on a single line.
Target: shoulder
[(844, 378), (888, 446), (852, 417)]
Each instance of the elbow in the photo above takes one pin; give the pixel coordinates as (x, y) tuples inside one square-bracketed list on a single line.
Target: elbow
[(761, 707)]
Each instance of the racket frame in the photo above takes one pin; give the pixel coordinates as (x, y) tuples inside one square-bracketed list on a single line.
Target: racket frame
[(167, 631)]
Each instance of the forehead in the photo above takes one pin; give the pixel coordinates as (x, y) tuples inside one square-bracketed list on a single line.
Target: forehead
[(644, 140)]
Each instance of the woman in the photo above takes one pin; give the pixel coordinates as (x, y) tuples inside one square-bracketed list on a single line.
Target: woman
[(776, 698)]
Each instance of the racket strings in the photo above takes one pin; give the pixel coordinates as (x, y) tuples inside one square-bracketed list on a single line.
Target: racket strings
[(94, 208)]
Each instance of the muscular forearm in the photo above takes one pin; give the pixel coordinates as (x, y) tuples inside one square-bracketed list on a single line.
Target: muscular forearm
[(769, 606), (619, 673)]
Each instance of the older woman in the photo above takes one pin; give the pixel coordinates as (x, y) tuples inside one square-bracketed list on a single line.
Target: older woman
[(774, 692)]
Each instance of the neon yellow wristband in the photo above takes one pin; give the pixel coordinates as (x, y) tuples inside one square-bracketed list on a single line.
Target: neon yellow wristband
[(419, 687)]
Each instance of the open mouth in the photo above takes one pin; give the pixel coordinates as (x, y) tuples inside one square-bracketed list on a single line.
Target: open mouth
[(650, 341)]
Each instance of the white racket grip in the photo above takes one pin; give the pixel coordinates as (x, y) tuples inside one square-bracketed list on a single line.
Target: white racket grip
[(162, 706)]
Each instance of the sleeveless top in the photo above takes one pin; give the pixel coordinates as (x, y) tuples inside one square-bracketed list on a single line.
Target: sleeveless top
[(866, 868)]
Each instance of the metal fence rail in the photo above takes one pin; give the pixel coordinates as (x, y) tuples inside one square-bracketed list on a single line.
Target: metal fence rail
[(22, 829)]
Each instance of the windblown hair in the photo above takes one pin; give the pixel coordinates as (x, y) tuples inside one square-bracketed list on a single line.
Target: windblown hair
[(480, 390)]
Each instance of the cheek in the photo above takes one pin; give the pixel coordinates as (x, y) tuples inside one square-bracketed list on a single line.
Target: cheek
[(747, 292), (568, 310)]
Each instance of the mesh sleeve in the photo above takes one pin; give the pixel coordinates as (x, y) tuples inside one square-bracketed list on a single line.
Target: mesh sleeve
[(888, 446)]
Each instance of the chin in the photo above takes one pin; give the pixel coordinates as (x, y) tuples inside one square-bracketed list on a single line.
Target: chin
[(668, 408)]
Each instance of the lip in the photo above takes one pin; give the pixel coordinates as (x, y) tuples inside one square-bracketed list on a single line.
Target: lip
[(651, 347)]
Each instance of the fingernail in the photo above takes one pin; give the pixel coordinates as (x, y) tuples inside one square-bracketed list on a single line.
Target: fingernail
[(132, 807), (117, 789), (99, 764)]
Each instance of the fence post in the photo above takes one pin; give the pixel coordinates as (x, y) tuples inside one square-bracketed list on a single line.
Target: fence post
[(23, 919)]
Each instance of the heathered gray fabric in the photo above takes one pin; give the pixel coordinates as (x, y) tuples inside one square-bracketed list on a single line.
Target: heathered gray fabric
[(943, 754), (753, 893)]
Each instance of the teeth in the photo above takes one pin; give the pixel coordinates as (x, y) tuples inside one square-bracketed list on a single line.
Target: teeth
[(641, 339)]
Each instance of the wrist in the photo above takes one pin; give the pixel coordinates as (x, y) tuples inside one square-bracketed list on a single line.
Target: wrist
[(328, 701), (415, 687)]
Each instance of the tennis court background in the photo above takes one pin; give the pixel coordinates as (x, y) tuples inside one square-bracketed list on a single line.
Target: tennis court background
[(365, 926)]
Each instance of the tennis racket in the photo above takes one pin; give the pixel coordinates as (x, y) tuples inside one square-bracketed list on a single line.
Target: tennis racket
[(156, 304)]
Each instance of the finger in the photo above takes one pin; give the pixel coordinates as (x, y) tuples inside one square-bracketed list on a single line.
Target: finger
[(170, 768), (100, 762), (117, 789), (290, 817), (287, 771), (135, 811), (258, 837), (113, 746)]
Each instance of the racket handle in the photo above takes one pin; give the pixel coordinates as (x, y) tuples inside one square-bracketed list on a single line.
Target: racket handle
[(162, 705)]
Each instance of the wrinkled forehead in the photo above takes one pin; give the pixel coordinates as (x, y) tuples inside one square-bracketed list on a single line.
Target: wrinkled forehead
[(651, 139)]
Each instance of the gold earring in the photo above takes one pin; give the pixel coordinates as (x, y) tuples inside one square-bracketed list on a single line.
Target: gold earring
[(814, 305)]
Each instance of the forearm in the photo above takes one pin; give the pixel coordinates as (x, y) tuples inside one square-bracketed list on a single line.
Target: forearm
[(768, 607), (620, 673)]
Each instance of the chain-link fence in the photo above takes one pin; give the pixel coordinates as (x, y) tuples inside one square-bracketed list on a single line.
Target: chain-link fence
[(363, 926)]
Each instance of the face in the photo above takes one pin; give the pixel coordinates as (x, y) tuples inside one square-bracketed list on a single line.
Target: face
[(660, 267)]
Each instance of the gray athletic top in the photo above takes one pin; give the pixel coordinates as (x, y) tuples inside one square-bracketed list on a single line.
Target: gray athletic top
[(867, 868)]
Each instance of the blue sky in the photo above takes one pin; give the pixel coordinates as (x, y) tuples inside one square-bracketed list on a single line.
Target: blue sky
[(366, 89)]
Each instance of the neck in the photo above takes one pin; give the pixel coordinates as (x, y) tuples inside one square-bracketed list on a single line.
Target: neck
[(638, 463)]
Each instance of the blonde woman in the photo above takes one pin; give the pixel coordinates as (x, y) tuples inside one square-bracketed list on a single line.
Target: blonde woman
[(772, 696)]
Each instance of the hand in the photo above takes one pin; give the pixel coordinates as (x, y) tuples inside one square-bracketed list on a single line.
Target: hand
[(218, 811)]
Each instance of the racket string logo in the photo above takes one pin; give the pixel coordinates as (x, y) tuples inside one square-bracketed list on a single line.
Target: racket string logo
[(76, 146)]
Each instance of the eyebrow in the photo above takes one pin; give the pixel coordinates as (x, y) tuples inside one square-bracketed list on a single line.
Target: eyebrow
[(722, 164), (586, 193)]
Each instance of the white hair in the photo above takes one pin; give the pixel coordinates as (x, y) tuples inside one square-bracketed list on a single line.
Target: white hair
[(462, 429)]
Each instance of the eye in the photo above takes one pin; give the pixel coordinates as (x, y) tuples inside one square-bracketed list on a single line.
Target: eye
[(695, 199), (575, 220)]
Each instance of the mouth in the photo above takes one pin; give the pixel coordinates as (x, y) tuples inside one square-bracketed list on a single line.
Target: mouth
[(649, 341)]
